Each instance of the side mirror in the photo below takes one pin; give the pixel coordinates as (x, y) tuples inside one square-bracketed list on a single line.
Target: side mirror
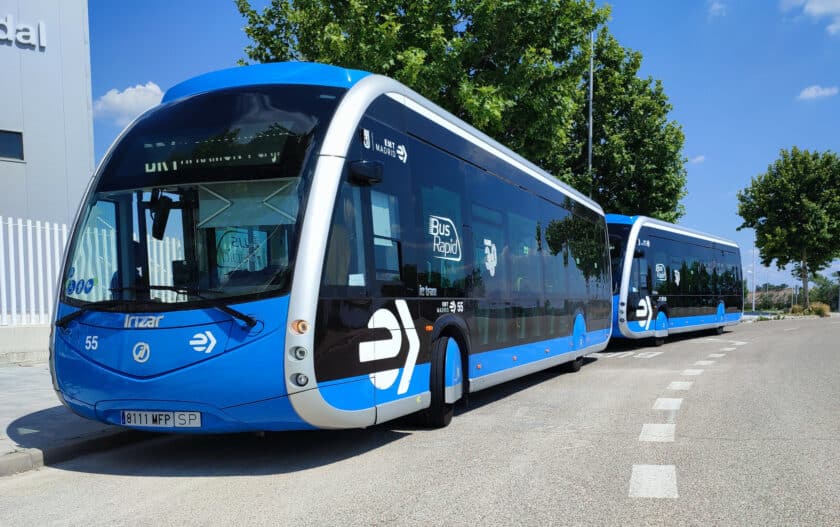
[(160, 209), (366, 173)]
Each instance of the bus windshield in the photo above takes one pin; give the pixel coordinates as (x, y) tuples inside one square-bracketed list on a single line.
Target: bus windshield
[(201, 201), (618, 247)]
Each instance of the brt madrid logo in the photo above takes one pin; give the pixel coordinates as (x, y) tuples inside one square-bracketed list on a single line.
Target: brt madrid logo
[(389, 348)]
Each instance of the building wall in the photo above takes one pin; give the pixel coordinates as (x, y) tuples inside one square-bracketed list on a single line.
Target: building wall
[(45, 93)]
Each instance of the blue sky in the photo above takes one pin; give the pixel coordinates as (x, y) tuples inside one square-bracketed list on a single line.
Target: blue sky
[(746, 78)]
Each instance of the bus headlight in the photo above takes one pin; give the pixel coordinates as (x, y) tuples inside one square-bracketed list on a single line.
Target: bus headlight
[(300, 379), (298, 353)]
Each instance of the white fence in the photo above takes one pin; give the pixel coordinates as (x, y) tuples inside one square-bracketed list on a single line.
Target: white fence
[(30, 264), (31, 259)]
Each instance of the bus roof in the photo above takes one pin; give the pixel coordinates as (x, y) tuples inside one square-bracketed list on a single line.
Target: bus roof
[(272, 73), (621, 219)]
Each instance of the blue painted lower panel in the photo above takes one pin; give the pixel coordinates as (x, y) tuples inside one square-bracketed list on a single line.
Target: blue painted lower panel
[(686, 323), (359, 393), (489, 362)]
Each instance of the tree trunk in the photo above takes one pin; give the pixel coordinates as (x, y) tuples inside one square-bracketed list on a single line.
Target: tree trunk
[(804, 268)]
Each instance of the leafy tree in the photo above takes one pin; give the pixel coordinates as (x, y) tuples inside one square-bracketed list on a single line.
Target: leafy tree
[(825, 290), (510, 69), (637, 161), (795, 210), (518, 71)]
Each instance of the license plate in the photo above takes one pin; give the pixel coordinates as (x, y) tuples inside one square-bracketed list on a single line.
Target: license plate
[(161, 419)]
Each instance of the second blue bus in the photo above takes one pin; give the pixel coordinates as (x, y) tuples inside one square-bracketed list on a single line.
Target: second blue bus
[(671, 279)]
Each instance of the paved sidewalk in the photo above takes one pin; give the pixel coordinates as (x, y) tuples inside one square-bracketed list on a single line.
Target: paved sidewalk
[(36, 429)]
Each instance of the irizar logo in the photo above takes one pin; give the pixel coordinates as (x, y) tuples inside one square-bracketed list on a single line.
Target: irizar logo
[(142, 322), (446, 244), (389, 348)]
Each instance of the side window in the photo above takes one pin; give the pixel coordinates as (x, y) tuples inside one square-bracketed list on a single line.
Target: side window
[(345, 259), (386, 236), (489, 246), (524, 236)]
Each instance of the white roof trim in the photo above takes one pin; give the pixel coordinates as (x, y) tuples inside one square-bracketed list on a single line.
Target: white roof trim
[(687, 232), (492, 149)]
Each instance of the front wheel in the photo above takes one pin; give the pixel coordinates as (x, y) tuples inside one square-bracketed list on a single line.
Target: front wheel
[(439, 413)]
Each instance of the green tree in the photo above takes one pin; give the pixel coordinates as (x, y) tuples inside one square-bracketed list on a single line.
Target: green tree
[(511, 69), (518, 71), (637, 161), (795, 210)]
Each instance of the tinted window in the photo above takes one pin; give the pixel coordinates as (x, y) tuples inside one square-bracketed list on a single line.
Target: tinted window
[(11, 145)]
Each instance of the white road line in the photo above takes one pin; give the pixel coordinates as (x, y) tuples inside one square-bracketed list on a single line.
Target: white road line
[(738, 343), (648, 354), (717, 355), (667, 403), (680, 385), (727, 349), (791, 329), (657, 433), (704, 363), (653, 481), (616, 354), (691, 372)]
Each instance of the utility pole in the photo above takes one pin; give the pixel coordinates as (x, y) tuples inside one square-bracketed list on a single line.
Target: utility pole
[(755, 274), (591, 81)]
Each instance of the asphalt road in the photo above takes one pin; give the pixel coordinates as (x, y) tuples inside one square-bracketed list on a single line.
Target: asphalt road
[(754, 439)]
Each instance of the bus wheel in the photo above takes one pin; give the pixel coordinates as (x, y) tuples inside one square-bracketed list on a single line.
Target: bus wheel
[(661, 324), (719, 330), (439, 413), (574, 366)]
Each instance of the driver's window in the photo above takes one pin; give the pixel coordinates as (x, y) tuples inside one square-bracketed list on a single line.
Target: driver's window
[(345, 259)]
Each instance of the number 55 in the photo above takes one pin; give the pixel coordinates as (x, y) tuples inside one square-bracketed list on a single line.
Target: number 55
[(91, 342)]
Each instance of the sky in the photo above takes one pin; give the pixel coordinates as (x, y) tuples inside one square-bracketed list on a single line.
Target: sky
[(746, 79)]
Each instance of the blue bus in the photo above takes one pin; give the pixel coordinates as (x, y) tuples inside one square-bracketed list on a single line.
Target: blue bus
[(296, 245), (670, 279)]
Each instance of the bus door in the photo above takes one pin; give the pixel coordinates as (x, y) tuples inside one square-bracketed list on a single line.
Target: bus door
[(639, 304)]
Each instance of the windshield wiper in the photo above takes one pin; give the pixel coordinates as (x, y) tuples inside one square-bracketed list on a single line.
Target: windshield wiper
[(91, 306), (247, 319)]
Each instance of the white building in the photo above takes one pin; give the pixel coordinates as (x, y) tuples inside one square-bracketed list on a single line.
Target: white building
[(46, 118)]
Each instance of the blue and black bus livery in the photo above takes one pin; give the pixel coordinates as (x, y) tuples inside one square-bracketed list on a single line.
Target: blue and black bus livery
[(292, 246), (670, 279)]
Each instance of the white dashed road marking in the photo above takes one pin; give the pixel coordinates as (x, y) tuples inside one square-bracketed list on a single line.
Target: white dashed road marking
[(667, 403), (717, 355), (727, 349), (657, 433), (680, 385), (692, 372), (648, 354), (653, 481), (791, 329), (704, 363)]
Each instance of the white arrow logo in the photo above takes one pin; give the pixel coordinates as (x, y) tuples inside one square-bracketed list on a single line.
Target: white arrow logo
[(203, 342), (402, 153), (390, 348), (645, 311)]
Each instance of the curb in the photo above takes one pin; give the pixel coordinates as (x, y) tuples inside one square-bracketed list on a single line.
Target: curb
[(33, 458)]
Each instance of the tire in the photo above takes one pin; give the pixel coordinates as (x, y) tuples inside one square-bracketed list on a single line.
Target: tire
[(439, 413), (573, 366), (719, 330), (658, 341)]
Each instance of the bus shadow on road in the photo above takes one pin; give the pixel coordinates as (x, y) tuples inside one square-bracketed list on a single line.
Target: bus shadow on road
[(163, 455)]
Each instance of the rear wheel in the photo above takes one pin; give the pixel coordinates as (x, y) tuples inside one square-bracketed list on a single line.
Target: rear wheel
[(574, 366), (439, 413), (719, 330)]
